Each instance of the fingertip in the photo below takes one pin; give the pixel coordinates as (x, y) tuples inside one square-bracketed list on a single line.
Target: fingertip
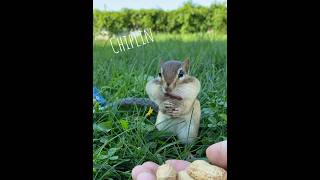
[(138, 170), (211, 149), (151, 165), (146, 176), (217, 154)]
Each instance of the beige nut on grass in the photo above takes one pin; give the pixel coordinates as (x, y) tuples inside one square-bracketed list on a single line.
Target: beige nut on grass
[(202, 170), (166, 172)]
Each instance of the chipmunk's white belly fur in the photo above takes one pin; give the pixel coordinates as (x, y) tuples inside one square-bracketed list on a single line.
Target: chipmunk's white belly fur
[(181, 126)]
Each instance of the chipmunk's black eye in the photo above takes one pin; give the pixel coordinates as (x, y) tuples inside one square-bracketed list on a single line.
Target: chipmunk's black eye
[(181, 73), (159, 74)]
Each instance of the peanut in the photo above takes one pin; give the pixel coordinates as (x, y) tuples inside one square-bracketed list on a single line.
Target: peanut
[(201, 170), (183, 175), (166, 172)]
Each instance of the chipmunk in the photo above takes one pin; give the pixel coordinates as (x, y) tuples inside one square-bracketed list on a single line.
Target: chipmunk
[(175, 92)]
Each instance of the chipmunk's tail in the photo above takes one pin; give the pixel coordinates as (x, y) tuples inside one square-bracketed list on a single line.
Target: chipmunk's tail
[(138, 101)]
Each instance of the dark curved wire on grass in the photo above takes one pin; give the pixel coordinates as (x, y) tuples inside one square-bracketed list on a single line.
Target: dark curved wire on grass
[(137, 101)]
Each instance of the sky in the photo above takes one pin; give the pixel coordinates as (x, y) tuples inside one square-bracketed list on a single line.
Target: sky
[(115, 5)]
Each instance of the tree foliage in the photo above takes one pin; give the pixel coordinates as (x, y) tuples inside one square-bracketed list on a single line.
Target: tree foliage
[(189, 18)]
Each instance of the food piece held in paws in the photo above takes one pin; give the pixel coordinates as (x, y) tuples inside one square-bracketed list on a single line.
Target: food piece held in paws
[(202, 170), (166, 172)]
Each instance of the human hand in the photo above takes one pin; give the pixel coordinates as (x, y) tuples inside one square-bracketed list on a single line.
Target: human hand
[(216, 154)]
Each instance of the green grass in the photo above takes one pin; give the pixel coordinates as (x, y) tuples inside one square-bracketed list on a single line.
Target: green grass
[(124, 138)]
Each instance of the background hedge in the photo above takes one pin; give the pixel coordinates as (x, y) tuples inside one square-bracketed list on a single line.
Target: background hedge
[(189, 18)]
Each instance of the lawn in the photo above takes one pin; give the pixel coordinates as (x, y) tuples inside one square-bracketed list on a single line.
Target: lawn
[(123, 138)]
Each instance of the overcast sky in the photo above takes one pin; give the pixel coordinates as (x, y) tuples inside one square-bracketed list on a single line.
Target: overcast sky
[(115, 5)]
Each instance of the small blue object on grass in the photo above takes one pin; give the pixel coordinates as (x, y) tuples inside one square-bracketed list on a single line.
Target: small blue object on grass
[(98, 97)]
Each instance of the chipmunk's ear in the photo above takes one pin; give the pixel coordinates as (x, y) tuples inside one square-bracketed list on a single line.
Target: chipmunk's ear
[(185, 65)]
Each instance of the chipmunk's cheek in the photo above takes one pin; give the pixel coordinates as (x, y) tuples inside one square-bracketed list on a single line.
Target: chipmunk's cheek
[(178, 92), (173, 88), (163, 90)]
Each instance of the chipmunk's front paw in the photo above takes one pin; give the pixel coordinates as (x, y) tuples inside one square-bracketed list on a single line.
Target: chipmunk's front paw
[(176, 112), (168, 105), (172, 109)]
